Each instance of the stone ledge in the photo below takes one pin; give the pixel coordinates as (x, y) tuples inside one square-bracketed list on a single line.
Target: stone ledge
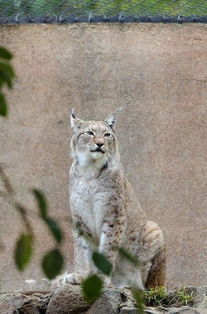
[(68, 299)]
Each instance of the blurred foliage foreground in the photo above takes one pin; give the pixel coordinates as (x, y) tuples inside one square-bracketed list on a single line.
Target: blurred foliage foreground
[(53, 260)]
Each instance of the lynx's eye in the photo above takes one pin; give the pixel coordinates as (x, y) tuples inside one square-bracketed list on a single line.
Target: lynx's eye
[(89, 133), (107, 134)]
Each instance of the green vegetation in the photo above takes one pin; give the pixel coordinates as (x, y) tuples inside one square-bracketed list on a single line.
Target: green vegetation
[(160, 297), (184, 297), (155, 296), (53, 260), (104, 7), (92, 288), (7, 76)]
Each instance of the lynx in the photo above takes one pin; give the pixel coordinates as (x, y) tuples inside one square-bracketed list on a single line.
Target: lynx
[(103, 203)]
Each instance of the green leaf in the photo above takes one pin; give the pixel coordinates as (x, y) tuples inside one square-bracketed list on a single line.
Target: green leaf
[(43, 209), (5, 54), (128, 256), (92, 288), (102, 263), (23, 251), (42, 202), (138, 296), (3, 106), (52, 263), (54, 228), (6, 73)]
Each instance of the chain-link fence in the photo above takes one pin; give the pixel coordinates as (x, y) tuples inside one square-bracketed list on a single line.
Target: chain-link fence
[(70, 11)]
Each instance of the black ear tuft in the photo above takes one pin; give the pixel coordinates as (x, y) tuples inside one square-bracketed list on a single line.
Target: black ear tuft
[(75, 122), (110, 120), (73, 115)]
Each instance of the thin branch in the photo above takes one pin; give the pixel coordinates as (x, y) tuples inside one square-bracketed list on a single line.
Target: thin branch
[(5, 179)]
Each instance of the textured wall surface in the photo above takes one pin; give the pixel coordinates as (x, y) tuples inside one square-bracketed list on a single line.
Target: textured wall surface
[(159, 72)]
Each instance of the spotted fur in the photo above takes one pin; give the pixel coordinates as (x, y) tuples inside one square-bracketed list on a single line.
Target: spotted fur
[(103, 204)]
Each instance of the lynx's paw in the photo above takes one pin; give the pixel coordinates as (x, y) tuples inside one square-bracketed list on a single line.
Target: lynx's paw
[(75, 278), (107, 282)]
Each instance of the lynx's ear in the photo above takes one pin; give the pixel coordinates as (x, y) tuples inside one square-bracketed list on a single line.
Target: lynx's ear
[(111, 119), (75, 122)]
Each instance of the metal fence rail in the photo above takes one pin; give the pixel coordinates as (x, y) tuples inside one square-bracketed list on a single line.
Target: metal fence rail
[(71, 11)]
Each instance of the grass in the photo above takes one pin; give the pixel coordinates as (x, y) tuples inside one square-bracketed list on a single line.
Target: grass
[(104, 7), (159, 297), (155, 296), (184, 297)]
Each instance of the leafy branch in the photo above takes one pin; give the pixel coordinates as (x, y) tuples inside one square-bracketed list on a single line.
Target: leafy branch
[(7, 76), (53, 261)]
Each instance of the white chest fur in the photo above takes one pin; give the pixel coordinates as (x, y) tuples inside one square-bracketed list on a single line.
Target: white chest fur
[(83, 203)]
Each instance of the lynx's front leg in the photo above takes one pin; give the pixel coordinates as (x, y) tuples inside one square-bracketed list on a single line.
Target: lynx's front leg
[(112, 233), (81, 256)]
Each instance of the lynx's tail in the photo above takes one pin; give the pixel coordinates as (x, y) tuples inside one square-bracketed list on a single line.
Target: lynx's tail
[(157, 273)]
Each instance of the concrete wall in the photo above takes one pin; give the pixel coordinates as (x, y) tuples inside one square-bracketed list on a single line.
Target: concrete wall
[(160, 73)]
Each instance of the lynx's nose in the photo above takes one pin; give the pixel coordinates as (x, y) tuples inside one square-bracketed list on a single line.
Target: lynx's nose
[(99, 144)]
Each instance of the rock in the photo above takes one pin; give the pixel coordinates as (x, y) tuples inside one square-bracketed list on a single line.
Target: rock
[(153, 311), (128, 310), (182, 310), (147, 310), (201, 310), (24, 304), (200, 295), (109, 302), (42, 285), (67, 299), (127, 298), (9, 304)]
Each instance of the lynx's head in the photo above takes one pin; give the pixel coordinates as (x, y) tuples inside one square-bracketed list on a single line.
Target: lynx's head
[(93, 141)]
